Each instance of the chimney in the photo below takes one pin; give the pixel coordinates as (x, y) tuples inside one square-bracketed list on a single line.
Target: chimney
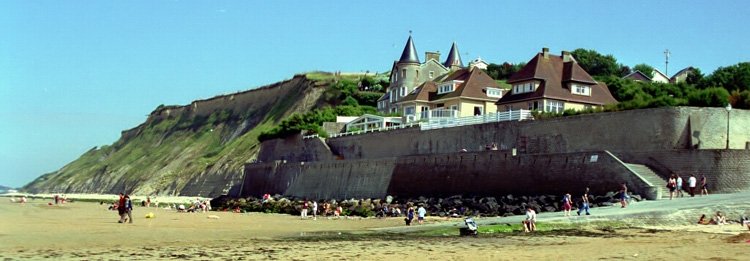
[(567, 57), (432, 55), (545, 52)]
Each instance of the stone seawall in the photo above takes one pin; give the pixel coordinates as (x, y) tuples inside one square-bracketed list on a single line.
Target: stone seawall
[(485, 173), (635, 130), (330, 179), (726, 171)]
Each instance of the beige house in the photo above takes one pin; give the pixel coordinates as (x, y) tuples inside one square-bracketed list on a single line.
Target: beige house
[(554, 83), (464, 92)]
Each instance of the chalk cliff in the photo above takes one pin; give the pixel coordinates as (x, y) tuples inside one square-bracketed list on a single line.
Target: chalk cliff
[(197, 149)]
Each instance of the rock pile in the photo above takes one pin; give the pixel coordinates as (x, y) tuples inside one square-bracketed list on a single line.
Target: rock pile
[(451, 206)]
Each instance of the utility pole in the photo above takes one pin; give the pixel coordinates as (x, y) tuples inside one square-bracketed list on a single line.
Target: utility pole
[(666, 63)]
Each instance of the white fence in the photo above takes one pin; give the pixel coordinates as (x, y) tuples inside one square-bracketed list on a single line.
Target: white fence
[(408, 125), (437, 123), (446, 122)]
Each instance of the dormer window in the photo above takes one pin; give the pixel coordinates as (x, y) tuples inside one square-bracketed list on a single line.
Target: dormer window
[(494, 92), (447, 87), (580, 89), (524, 87)]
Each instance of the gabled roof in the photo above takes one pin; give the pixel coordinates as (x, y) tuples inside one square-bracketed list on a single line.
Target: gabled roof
[(551, 68), (385, 96), (688, 69), (454, 58), (475, 82), (421, 93), (409, 55), (637, 76), (656, 71), (554, 74)]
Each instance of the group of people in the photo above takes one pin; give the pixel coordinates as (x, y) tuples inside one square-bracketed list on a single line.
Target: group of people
[(675, 186), (125, 209), (720, 219), (421, 213)]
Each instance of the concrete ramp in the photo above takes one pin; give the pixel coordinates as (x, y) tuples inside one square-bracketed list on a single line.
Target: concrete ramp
[(649, 175)]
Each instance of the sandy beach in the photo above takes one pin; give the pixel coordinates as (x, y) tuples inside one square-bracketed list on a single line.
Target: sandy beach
[(88, 231)]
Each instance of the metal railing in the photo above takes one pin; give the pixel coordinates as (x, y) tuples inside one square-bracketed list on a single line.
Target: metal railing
[(444, 122), (404, 126), (437, 123)]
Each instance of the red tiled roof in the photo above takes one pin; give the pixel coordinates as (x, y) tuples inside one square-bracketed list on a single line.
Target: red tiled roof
[(554, 74)]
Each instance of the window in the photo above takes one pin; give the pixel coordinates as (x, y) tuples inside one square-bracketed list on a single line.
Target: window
[(554, 106), (533, 105), (409, 110), (494, 92), (524, 87), (403, 73), (448, 87), (432, 74), (508, 107), (403, 91), (581, 89), (478, 110)]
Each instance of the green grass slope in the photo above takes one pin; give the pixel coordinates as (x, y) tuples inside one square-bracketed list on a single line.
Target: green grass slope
[(187, 152)]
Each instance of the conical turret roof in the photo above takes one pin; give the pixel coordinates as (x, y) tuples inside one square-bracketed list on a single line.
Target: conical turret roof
[(454, 59), (410, 53)]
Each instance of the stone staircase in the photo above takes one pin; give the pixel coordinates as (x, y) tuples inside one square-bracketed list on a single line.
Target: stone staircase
[(649, 175)]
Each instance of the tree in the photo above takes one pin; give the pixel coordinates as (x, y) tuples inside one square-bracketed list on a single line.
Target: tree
[(645, 69), (709, 97), (595, 63), (735, 77), (503, 71), (694, 77), (625, 70)]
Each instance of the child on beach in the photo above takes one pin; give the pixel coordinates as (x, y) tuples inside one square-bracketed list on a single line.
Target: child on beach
[(567, 205)]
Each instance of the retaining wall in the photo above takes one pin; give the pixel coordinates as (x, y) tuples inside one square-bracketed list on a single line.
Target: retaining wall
[(485, 173), (726, 171)]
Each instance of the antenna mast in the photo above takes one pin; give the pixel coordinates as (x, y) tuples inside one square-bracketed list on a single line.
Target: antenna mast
[(666, 62)]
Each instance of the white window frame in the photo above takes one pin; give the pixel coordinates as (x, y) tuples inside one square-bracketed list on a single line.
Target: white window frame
[(494, 92), (580, 89), (554, 106), (412, 108)]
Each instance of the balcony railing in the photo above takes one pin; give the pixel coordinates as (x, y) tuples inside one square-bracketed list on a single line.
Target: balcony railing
[(446, 122)]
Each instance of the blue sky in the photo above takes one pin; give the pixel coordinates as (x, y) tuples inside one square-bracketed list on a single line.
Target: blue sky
[(74, 74)]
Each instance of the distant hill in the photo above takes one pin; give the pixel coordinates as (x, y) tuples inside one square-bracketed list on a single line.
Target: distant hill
[(4, 188), (195, 150)]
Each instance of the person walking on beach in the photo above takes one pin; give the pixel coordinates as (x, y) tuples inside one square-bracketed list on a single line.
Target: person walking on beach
[(567, 204), (121, 208), (704, 185), (529, 224), (691, 185), (128, 209), (623, 195), (304, 209), (679, 187), (315, 210), (584, 203), (409, 216), (421, 212), (672, 185)]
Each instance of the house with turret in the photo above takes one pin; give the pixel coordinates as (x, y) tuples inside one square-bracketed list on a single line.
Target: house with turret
[(553, 83), (433, 89)]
